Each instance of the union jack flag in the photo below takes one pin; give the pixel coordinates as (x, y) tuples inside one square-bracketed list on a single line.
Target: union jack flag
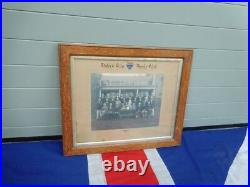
[(205, 157)]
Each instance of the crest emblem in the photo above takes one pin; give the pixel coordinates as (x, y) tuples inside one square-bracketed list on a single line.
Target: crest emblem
[(130, 66)]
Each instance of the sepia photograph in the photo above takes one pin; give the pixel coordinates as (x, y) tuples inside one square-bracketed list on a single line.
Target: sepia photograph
[(125, 100)]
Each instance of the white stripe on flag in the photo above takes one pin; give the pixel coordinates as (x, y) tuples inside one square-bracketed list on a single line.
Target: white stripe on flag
[(158, 166), (238, 171), (95, 169)]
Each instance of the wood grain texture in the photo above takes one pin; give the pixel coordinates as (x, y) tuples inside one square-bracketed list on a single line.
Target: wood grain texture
[(67, 50), (65, 88)]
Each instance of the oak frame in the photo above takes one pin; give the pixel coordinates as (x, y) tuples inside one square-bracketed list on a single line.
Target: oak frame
[(67, 50)]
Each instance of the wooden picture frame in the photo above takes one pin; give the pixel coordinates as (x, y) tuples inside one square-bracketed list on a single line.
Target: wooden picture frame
[(67, 52)]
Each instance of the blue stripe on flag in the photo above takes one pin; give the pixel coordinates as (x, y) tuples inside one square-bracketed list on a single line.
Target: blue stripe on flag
[(42, 163), (204, 156)]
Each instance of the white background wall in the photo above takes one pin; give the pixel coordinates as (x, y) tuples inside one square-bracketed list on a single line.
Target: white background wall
[(218, 33)]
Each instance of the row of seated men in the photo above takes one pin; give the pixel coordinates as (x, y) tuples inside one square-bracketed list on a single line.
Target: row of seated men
[(125, 105)]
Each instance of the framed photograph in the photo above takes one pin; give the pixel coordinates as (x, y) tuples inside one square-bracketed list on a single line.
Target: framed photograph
[(122, 98)]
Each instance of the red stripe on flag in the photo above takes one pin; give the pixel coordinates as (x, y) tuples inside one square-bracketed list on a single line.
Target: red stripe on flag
[(128, 177)]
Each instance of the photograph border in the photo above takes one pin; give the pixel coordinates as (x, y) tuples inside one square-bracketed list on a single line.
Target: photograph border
[(68, 50)]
